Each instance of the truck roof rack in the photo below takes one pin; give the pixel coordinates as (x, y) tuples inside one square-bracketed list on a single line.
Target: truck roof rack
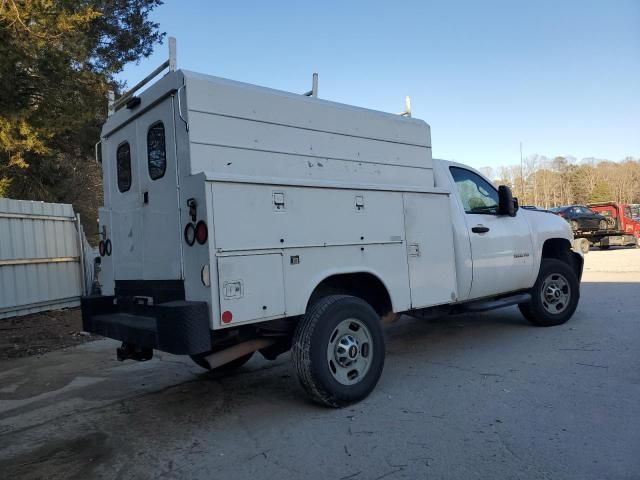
[(407, 107), (170, 63)]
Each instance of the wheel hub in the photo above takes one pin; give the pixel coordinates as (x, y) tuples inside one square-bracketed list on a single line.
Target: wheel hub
[(347, 350), (555, 293)]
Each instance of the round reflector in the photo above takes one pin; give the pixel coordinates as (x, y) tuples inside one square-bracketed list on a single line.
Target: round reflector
[(190, 234), (107, 247), (227, 316), (101, 248), (201, 232)]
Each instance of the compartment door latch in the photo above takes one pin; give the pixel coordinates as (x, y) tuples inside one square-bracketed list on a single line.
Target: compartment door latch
[(233, 289)]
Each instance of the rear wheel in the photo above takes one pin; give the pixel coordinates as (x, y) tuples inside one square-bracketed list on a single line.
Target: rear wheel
[(555, 295), (338, 350)]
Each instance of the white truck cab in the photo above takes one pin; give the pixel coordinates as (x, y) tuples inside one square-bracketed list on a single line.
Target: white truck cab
[(240, 219)]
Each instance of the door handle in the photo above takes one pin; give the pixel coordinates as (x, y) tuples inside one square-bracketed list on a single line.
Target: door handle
[(480, 229)]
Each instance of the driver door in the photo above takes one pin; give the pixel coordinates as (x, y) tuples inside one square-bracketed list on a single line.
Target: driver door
[(501, 246)]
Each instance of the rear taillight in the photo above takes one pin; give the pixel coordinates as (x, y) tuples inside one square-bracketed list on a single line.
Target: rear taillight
[(202, 233), (101, 248), (560, 214)]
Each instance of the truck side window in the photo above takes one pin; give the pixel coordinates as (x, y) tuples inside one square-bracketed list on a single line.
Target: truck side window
[(477, 195), (123, 165), (156, 151)]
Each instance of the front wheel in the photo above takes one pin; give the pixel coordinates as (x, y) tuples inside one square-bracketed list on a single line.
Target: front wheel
[(555, 295), (338, 350)]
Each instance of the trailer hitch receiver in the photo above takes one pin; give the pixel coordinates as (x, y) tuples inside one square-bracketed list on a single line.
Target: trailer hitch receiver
[(129, 351)]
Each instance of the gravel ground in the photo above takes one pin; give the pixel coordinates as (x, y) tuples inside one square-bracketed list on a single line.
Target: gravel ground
[(470, 397), (41, 332)]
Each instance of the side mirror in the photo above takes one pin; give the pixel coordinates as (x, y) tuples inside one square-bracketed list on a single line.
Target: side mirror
[(507, 205)]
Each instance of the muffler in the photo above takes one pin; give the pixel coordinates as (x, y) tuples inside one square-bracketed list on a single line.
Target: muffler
[(227, 355)]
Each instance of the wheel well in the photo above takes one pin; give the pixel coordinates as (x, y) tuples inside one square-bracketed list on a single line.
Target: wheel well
[(560, 249), (363, 285)]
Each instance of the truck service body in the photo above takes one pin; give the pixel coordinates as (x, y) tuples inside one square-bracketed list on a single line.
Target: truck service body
[(239, 219)]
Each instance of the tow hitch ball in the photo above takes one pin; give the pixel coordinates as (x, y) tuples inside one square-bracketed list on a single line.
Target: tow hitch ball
[(129, 351)]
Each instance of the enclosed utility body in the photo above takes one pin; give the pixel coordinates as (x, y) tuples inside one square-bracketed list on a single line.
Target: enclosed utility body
[(292, 190), (239, 219)]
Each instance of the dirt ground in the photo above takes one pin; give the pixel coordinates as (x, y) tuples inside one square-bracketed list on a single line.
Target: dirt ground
[(41, 332)]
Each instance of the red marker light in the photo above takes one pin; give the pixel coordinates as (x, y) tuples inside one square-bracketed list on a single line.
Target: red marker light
[(101, 248), (201, 232), (227, 316)]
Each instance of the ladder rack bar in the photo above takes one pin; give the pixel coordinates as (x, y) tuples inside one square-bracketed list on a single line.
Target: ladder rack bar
[(170, 63)]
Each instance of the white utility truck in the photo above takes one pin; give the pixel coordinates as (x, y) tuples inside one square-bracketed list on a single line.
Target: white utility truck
[(240, 219)]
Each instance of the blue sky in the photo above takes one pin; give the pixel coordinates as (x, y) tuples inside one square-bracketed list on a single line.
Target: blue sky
[(563, 77)]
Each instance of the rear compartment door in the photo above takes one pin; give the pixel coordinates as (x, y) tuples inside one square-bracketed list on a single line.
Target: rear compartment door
[(124, 228), (158, 194)]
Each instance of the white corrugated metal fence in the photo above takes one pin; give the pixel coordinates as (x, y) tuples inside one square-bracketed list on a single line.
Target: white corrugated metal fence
[(42, 257)]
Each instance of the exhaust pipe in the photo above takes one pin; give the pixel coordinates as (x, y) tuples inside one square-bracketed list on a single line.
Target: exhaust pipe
[(227, 355)]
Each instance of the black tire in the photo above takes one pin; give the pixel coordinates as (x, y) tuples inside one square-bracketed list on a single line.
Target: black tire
[(603, 247), (227, 367), (535, 311), (311, 344)]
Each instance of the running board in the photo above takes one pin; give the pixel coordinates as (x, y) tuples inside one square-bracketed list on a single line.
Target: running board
[(482, 306)]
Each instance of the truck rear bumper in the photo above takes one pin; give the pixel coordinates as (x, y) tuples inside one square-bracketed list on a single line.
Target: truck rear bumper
[(178, 327)]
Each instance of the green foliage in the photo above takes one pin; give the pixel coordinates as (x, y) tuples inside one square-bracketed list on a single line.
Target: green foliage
[(58, 59), (600, 193)]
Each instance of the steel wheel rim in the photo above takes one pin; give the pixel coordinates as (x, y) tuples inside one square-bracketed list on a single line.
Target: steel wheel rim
[(556, 293), (350, 351)]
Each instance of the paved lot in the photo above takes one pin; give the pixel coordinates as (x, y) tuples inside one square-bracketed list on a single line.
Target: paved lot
[(483, 396)]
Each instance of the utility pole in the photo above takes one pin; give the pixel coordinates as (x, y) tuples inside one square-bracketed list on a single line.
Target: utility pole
[(522, 176)]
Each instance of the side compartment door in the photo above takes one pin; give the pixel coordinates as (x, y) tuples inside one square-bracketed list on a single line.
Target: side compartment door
[(158, 198), (430, 250), (251, 288), (501, 246)]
